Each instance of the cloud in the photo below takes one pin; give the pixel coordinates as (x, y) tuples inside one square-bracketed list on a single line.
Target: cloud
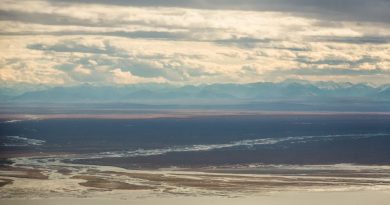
[(353, 40), (126, 77), (136, 34), (85, 60), (352, 10), (191, 42), (73, 46), (333, 60), (244, 42), (21, 71), (82, 71), (332, 72), (43, 18)]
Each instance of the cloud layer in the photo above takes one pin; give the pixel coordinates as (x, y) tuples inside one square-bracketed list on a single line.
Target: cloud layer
[(130, 42)]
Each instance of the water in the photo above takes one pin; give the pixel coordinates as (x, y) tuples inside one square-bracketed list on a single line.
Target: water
[(207, 141)]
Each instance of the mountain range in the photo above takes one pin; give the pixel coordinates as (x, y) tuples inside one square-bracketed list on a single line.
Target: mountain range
[(277, 95)]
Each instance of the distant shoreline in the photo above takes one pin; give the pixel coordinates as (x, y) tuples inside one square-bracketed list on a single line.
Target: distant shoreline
[(176, 114)]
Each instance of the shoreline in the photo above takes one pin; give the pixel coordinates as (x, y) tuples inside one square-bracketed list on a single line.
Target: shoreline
[(12, 118), (279, 198)]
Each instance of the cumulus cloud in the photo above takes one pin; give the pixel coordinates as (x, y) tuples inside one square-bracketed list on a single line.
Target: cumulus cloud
[(192, 42), (126, 77)]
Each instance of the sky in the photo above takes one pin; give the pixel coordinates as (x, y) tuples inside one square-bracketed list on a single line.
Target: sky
[(118, 42)]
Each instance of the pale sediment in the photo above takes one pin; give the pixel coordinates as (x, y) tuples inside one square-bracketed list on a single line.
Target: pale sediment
[(47, 177)]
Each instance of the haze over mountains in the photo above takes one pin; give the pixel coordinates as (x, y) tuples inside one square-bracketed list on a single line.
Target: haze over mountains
[(287, 95)]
